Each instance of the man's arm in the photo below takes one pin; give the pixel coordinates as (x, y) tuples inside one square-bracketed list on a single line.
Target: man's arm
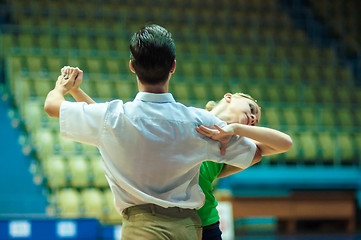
[(78, 94)]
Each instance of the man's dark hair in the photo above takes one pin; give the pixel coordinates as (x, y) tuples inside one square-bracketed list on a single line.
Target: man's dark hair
[(152, 54)]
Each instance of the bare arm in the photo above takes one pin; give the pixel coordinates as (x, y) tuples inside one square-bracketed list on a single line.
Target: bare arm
[(269, 141), (78, 94), (228, 170)]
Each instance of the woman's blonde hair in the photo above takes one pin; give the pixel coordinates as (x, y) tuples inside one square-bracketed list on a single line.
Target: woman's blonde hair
[(211, 104)]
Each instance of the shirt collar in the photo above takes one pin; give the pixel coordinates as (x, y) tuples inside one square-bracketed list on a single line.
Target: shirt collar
[(154, 97)]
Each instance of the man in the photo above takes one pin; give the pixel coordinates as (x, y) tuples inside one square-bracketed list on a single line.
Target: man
[(150, 147)]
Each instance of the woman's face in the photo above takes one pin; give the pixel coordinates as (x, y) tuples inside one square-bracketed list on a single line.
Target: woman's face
[(244, 111)]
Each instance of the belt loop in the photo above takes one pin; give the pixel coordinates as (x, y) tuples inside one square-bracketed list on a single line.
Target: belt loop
[(125, 213), (152, 208)]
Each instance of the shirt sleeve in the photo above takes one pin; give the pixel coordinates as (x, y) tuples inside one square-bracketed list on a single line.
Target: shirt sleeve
[(239, 153), (82, 122)]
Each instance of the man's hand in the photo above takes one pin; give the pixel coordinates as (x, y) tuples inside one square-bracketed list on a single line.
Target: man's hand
[(67, 81), (67, 72), (223, 135)]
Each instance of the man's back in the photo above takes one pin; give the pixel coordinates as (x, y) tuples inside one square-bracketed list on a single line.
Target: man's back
[(151, 150)]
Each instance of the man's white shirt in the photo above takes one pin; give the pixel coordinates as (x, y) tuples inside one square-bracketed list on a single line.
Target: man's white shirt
[(150, 149)]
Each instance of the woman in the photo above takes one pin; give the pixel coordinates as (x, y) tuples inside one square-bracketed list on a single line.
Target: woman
[(241, 112)]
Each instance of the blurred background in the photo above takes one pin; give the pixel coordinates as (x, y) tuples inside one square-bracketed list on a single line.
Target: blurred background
[(299, 58)]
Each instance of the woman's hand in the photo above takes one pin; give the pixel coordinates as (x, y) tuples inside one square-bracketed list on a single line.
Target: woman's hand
[(223, 135)]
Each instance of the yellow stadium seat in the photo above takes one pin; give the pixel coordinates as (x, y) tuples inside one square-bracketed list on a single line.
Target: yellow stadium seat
[(68, 203), (79, 171), (55, 170), (32, 112), (43, 139), (93, 203)]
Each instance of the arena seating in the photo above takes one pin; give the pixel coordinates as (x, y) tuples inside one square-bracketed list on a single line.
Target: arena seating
[(309, 91)]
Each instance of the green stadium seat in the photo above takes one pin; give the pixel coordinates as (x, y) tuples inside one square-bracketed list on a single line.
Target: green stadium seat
[(66, 145), (207, 70), (201, 91), (291, 116), (271, 116), (309, 146), (260, 71), (103, 43), (328, 74), (43, 86), (43, 139), (55, 64), (84, 42), (94, 65), (112, 65), (34, 63), (26, 40), (32, 113), (328, 148), (296, 73), (277, 72), (327, 117), (217, 91), (98, 176), (292, 157), (125, 89), (47, 41), (104, 88), (55, 170), (93, 203), (343, 95), (79, 171), (181, 91), (243, 71), (344, 117), (68, 203), (346, 148), (272, 93), (325, 94)]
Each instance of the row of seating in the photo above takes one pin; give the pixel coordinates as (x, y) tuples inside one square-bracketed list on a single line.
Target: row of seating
[(101, 87), (87, 202), (73, 170), (340, 124), (244, 72), (342, 20)]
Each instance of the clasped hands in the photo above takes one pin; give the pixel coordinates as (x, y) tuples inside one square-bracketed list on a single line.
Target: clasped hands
[(69, 80)]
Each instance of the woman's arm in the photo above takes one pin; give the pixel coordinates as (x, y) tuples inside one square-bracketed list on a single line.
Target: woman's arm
[(269, 141)]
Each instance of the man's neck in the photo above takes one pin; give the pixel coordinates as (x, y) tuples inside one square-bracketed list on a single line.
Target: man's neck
[(156, 88)]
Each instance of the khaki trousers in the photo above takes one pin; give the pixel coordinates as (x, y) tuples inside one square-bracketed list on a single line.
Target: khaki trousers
[(152, 222)]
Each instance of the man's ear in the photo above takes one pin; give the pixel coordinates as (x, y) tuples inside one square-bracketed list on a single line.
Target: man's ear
[(131, 66), (172, 70), (228, 97)]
